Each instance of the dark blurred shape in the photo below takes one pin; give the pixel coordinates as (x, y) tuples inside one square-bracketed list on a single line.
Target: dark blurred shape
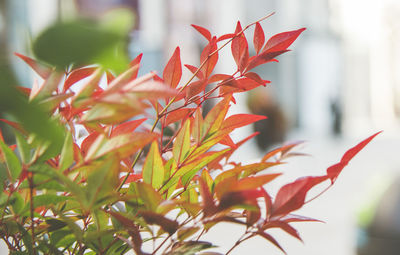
[(337, 117), (382, 235), (273, 129)]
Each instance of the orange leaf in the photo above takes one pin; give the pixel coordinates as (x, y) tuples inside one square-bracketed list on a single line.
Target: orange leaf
[(211, 59), (240, 120), (126, 127), (193, 69), (134, 62), (176, 115), (173, 70)]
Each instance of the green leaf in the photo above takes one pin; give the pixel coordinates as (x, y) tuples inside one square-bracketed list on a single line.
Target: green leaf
[(191, 168), (181, 145), (67, 153), (186, 232), (82, 42), (189, 248), (48, 199), (102, 180), (23, 147), (150, 197), (153, 169), (13, 165)]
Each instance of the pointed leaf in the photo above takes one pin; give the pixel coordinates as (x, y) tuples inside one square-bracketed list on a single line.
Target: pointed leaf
[(216, 116), (181, 145), (176, 115), (123, 145), (134, 62), (41, 69), (334, 171), (271, 239), (203, 31), (173, 70), (77, 75), (291, 196), (153, 169), (210, 55), (283, 226), (169, 226), (208, 204), (150, 197), (259, 38), (23, 147), (282, 41), (126, 127), (240, 120), (195, 70), (264, 57), (67, 153), (13, 165)]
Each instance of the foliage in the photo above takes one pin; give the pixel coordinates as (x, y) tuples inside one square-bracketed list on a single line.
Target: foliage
[(149, 168)]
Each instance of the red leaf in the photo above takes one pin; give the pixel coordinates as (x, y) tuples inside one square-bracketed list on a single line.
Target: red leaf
[(282, 150), (284, 226), (259, 38), (255, 77), (240, 49), (264, 57), (203, 31), (282, 41), (219, 77), (291, 196), (226, 36), (42, 70), (77, 75), (297, 218), (169, 226), (194, 69), (132, 178), (234, 198), (126, 127), (246, 84), (211, 59), (227, 140), (195, 88), (136, 61), (173, 70), (177, 115), (240, 120), (271, 239), (15, 125), (87, 142), (208, 204), (110, 77), (334, 171)]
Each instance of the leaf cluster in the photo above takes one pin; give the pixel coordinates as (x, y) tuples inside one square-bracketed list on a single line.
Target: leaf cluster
[(139, 161)]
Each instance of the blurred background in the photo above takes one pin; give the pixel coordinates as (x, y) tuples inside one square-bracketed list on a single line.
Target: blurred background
[(341, 83)]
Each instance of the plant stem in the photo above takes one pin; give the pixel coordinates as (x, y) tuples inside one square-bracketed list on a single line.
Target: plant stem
[(239, 241), (31, 186)]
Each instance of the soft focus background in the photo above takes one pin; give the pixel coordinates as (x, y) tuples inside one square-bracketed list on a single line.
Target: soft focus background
[(341, 83)]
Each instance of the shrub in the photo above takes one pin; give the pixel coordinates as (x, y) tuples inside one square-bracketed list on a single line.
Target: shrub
[(150, 167)]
